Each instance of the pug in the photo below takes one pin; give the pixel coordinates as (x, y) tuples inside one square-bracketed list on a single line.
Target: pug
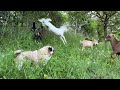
[(42, 55)]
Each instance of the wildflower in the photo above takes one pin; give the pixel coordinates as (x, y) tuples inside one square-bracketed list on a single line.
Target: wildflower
[(45, 76)]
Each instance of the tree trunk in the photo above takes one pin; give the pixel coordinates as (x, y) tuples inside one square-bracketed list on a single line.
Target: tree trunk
[(76, 27), (105, 32), (99, 38)]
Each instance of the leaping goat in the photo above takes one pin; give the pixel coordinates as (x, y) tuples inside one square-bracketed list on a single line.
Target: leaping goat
[(58, 31)]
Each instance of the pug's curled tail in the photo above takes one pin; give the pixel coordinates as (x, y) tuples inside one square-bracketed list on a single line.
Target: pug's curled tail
[(17, 52)]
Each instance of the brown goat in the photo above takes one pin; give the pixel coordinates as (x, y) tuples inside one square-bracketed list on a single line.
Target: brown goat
[(115, 44)]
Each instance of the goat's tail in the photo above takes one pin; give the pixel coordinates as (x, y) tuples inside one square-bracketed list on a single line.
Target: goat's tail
[(64, 28), (17, 52)]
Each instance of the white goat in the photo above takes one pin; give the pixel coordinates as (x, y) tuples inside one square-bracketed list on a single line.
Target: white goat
[(58, 31), (88, 43)]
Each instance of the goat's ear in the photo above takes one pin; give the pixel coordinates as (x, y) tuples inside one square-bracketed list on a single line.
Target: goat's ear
[(48, 19), (111, 35), (41, 20), (108, 36)]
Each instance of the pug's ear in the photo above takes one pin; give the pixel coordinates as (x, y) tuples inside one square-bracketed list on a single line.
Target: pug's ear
[(50, 49)]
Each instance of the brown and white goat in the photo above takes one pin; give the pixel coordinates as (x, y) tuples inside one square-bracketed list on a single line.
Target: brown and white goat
[(115, 44), (89, 43), (38, 33)]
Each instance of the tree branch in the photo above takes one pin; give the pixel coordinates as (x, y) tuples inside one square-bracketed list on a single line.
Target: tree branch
[(99, 16)]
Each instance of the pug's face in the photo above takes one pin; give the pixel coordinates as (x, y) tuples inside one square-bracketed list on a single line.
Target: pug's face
[(51, 50)]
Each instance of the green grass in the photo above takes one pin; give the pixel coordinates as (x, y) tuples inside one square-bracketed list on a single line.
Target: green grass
[(68, 61)]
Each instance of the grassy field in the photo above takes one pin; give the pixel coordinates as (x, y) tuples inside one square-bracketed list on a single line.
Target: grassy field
[(68, 61)]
